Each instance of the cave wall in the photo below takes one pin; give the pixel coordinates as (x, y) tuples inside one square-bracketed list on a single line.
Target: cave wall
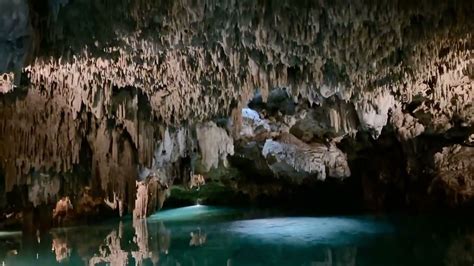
[(156, 91)]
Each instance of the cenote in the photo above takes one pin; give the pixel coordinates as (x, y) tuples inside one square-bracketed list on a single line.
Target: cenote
[(236, 132), (205, 235)]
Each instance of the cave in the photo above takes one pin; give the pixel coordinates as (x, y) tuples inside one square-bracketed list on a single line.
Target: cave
[(236, 132)]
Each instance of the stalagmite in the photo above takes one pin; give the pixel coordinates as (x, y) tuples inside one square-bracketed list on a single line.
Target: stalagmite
[(43, 189), (150, 195), (197, 181), (141, 201), (117, 203), (63, 207), (150, 103)]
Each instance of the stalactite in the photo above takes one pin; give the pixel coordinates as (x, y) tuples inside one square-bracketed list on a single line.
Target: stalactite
[(266, 57), (291, 157), (197, 181), (141, 202), (43, 189), (150, 195), (117, 203), (331, 120), (36, 133), (214, 144), (373, 110), (407, 126), (355, 67)]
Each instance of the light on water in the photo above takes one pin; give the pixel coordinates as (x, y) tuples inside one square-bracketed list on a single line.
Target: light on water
[(198, 202), (191, 213), (309, 230), (206, 235)]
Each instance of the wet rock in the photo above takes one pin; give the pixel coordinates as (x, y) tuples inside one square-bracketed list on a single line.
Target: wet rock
[(150, 196), (133, 90)]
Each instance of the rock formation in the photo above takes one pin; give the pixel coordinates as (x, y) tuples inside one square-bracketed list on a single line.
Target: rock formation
[(130, 97), (289, 154), (454, 169)]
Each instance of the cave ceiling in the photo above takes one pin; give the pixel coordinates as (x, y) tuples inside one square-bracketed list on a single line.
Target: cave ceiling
[(124, 76)]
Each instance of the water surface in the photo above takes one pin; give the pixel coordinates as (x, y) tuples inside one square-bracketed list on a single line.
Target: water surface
[(204, 235)]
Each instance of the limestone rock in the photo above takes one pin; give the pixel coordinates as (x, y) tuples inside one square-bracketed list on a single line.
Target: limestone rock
[(373, 111), (214, 143), (43, 189), (329, 121), (454, 167), (129, 91), (407, 126), (150, 196), (252, 123), (295, 159)]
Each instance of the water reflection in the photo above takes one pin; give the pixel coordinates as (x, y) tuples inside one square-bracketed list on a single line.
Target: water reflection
[(111, 251), (198, 238), (209, 236), (142, 241), (115, 250), (60, 247)]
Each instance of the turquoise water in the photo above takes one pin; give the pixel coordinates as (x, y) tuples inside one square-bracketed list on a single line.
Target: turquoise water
[(204, 235)]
